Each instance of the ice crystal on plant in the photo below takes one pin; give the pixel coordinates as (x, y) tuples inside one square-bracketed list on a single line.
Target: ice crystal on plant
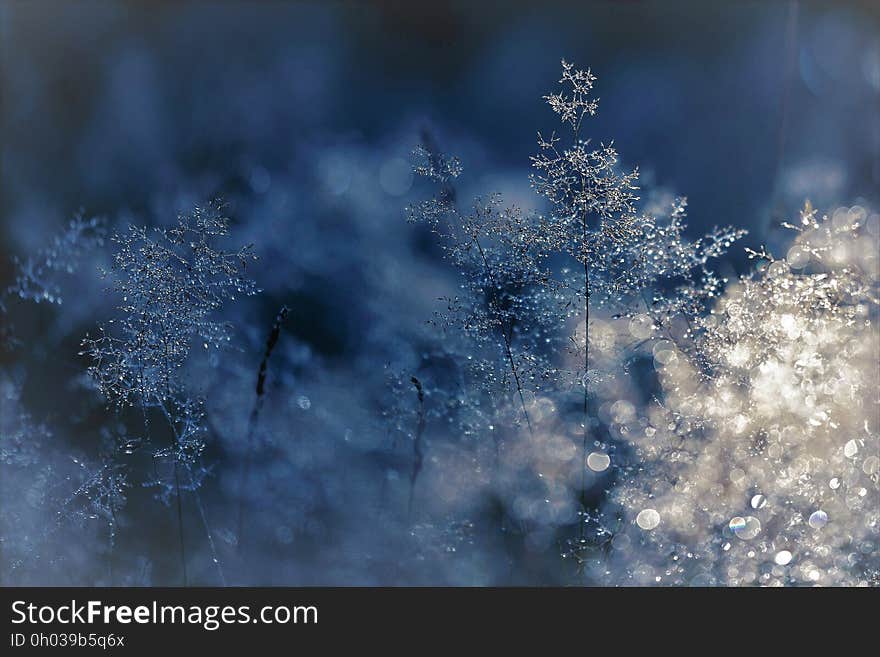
[(100, 495), (434, 165), (171, 282)]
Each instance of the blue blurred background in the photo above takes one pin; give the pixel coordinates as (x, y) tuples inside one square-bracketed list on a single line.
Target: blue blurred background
[(302, 115), (744, 107)]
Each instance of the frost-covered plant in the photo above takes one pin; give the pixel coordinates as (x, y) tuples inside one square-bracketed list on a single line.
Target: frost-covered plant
[(532, 278), (592, 203), (23, 476), (505, 281), (623, 255), (47, 493), (101, 495), (21, 442), (30, 450), (759, 465), (36, 275), (171, 282), (625, 260), (499, 333)]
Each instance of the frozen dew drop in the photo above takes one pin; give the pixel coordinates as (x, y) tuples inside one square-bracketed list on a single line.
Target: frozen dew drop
[(776, 269), (759, 502), (641, 327), (782, 558), (745, 528), (648, 519), (738, 476), (597, 461), (661, 346), (664, 353), (304, 402), (851, 448), (797, 257), (834, 483), (818, 519), (702, 580)]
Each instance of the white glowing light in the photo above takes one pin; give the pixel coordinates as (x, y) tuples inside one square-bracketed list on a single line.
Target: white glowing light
[(783, 558), (597, 461), (818, 519), (851, 449), (648, 519)]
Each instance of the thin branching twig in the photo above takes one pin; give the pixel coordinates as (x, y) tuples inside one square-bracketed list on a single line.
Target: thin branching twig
[(271, 341)]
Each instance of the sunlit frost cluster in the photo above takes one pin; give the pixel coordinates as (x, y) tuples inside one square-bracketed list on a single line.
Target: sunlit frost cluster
[(759, 465)]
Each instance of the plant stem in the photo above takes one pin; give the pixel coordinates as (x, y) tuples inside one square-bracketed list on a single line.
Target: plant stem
[(586, 421), (112, 557), (507, 341), (180, 519), (586, 387), (271, 341), (176, 489), (198, 499), (418, 451)]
